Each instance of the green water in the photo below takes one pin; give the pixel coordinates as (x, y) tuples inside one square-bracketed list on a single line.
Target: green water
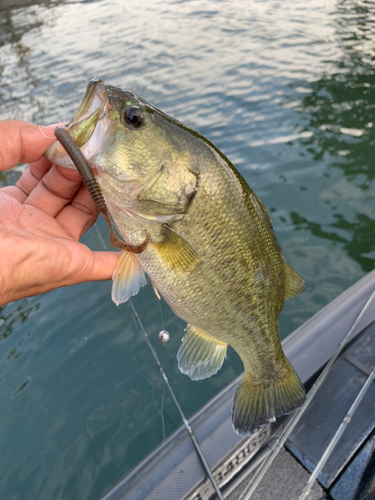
[(286, 90)]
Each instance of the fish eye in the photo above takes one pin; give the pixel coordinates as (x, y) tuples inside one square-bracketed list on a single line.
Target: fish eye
[(132, 116)]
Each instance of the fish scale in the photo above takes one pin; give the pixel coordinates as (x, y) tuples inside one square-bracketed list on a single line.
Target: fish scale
[(211, 250)]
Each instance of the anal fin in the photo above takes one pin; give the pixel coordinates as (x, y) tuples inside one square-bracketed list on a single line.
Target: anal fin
[(200, 355), (128, 277), (294, 284)]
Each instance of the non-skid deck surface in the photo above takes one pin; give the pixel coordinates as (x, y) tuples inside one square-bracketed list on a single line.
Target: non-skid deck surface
[(284, 481)]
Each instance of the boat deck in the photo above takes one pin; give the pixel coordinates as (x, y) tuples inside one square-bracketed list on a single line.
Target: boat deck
[(173, 471), (285, 481)]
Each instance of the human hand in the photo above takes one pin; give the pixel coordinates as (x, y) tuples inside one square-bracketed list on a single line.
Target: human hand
[(42, 218)]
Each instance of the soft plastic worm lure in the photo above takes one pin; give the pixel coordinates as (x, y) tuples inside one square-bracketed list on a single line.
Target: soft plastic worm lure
[(92, 185)]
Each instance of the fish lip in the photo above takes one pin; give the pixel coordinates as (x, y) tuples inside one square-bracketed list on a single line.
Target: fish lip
[(95, 88), (95, 98)]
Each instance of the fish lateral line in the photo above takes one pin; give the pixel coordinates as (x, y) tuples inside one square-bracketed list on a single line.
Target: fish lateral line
[(184, 191), (85, 171)]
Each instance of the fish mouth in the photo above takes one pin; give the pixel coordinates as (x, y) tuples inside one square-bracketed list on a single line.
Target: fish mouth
[(90, 128)]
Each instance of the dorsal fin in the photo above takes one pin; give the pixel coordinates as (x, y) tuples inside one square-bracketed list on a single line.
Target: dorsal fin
[(294, 284)]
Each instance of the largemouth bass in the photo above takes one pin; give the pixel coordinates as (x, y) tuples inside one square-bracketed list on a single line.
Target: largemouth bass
[(210, 250)]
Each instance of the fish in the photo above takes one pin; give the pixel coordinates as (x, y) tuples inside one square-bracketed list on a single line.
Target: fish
[(206, 244)]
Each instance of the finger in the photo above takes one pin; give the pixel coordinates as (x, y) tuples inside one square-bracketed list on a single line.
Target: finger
[(37, 170), (104, 264), (22, 142), (15, 193), (80, 215), (89, 266), (54, 191), (32, 175), (40, 168)]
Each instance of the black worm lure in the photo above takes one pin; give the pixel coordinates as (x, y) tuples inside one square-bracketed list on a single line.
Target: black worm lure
[(92, 185), (82, 166)]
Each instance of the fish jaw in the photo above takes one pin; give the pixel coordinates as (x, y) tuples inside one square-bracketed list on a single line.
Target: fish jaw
[(91, 127)]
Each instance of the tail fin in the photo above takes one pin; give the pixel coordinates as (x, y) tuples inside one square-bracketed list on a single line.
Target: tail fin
[(258, 402)]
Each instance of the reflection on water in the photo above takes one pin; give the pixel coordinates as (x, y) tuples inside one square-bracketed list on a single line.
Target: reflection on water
[(340, 110), (286, 90), (13, 315), (358, 243), (18, 75)]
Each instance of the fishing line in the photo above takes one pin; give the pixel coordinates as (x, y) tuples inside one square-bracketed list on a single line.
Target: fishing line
[(328, 451), (56, 114), (292, 422), (153, 394), (60, 123), (166, 381), (167, 384), (161, 411), (45, 135), (161, 315), (185, 421), (90, 181)]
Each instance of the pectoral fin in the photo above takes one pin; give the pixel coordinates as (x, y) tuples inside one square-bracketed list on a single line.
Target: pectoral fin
[(200, 355), (128, 278), (294, 284), (175, 252)]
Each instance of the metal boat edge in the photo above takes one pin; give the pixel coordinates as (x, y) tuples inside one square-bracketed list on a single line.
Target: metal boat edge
[(173, 471)]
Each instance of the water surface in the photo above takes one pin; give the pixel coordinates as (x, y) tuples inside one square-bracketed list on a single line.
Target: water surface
[(286, 91)]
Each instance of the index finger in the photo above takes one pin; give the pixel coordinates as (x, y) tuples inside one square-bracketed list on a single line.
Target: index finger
[(22, 142)]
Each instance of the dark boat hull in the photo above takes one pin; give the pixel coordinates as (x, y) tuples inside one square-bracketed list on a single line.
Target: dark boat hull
[(173, 470)]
